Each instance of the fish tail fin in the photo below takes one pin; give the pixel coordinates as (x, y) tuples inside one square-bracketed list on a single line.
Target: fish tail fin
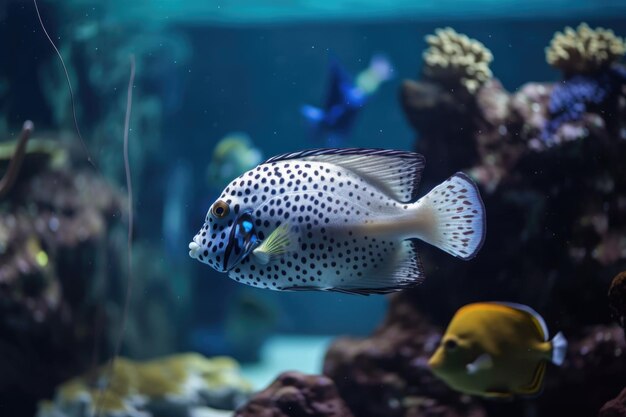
[(452, 217), (559, 348)]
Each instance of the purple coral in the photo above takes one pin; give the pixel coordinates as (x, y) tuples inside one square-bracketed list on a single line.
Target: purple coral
[(573, 97)]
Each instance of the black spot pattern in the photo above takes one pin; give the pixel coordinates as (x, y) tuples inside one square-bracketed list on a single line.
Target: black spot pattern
[(327, 208), (334, 217)]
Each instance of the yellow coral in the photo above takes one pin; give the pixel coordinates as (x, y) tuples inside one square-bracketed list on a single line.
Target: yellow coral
[(123, 383), (171, 377), (455, 59), (584, 50)]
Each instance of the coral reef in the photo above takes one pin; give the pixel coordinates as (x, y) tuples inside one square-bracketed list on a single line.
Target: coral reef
[(454, 59), (294, 394), (53, 227), (584, 50), (548, 160), (177, 385), (387, 373), (615, 407)]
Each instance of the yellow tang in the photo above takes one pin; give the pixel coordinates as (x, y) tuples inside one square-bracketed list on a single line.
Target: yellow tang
[(496, 350)]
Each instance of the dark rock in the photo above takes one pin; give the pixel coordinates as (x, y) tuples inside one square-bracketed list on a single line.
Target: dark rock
[(592, 373), (561, 204), (439, 113), (293, 394), (387, 374), (615, 407), (556, 215)]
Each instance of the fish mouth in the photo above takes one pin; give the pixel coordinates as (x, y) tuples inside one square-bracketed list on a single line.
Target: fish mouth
[(435, 361), (432, 364), (195, 248)]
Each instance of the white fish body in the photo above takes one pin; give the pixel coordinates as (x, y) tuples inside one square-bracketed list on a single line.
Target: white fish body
[(340, 220)]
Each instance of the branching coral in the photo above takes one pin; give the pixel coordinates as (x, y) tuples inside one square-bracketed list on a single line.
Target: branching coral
[(455, 59), (584, 50)]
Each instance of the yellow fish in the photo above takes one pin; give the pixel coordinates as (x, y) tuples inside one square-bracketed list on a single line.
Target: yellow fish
[(496, 350)]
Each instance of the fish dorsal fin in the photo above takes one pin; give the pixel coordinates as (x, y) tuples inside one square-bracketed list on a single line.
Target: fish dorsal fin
[(537, 319), (397, 173)]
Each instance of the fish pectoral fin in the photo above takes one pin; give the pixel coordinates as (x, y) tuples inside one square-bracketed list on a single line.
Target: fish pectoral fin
[(483, 362), (275, 246)]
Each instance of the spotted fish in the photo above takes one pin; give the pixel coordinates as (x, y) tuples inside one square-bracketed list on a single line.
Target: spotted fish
[(345, 220)]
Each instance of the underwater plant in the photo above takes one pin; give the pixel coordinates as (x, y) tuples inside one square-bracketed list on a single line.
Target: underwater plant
[(454, 59), (584, 50), (69, 83)]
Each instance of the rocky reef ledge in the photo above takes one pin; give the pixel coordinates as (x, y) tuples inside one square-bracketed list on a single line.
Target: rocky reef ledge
[(294, 394)]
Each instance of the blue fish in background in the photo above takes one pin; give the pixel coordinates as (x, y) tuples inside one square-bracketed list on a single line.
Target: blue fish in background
[(331, 125)]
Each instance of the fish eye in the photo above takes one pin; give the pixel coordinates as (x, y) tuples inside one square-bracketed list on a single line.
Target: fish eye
[(450, 344), (220, 209)]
